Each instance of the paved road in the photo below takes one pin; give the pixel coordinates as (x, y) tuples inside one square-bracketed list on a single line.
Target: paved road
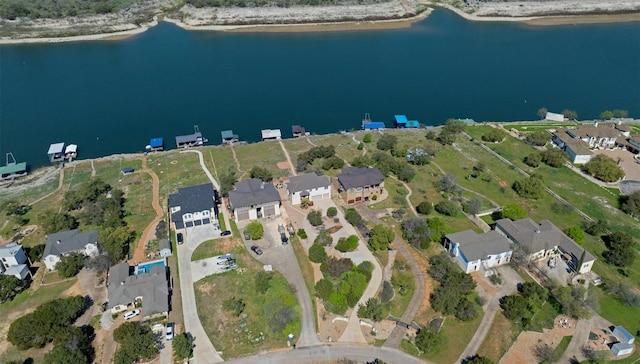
[(331, 353), (283, 259), (510, 285), (203, 352)]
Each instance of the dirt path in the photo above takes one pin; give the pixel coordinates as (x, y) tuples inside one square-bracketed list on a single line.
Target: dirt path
[(60, 182), (407, 196), (149, 231), (235, 159), (286, 154)]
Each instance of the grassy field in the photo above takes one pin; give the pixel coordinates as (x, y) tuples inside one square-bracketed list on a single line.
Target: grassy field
[(263, 154), (560, 349), (501, 336), (455, 337), (544, 318), (400, 302)]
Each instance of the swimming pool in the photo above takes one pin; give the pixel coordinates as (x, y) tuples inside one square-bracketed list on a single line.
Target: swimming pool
[(146, 267)]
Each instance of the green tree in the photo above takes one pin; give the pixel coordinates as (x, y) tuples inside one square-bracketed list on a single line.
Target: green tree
[(620, 249), (620, 114), (445, 137), (332, 212), (72, 345), (437, 227), (315, 217), (381, 237), (533, 160), (60, 355), (333, 162), (416, 232), (448, 208), (353, 217), (426, 340), (606, 115), (347, 244), (494, 135), (263, 281), (530, 187), (261, 173), (387, 142), (137, 342), (424, 208), (454, 126), (115, 241), (513, 212), (317, 254), (227, 181), (515, 308), (323, 238), (631, 204), (570, 114), (361, 161), (53, 222), (367, 138), (447, 183), (324, 288), (405, 173), (10, 286), (70, 265), (604, 168), (538, 138), (542, 112), (553, 157), (575, 233), (182, 346), (373, 309), (255, 230), (477, 359)]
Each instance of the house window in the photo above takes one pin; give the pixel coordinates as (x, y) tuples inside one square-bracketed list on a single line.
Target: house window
[(359, 189), (175, 209)]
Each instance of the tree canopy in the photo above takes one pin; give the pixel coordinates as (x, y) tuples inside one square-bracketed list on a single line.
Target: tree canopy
[(530, 187), (182, 346), (416, 232), (10, 286), (604, 168), (620, 249), (538, 138), (631, 204), (255, 230), (381, 237), (70, 265), (137, 342), (261, 173)]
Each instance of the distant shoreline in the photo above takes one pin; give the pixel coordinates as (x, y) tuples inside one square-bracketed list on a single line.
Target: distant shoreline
[(351, 25)]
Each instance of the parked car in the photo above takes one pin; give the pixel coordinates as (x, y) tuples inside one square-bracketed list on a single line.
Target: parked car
[(131, 314), (170, 327), (225, 233), (246, 236), (283, 238), (256, 250), (179, 238)]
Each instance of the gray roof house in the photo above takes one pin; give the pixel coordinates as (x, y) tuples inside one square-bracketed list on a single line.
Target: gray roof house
[(543, 239), (66, 242), (359, 184), (193, 206), (14, 261), (253, 199), (310, 186), (473, 251), (152, 288)]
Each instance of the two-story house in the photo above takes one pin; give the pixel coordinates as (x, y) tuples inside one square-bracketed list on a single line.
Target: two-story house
[(253, 199), (67, 242), (359, 184), (309, 186), (14, 261), (473, 251), (194, 205)]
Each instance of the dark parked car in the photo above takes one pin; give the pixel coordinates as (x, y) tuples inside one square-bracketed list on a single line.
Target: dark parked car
[(283, 238), (246, 236), (225, 233), (179, 238), (256, 250)]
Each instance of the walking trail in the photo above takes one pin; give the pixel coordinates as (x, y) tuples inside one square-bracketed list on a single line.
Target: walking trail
[(286, 154), (149, 231)]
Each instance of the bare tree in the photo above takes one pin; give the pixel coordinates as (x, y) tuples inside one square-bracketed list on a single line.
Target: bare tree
[(543, 352)]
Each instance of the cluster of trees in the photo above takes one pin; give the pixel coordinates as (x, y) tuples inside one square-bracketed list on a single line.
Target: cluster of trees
[(347, 244), (48, 322), (529, 187), (631, 204), (453, 295), (416, 232), (448, 207), (620, 251), (449, 131), (575, 300), (608, 114), (604, 168), (315, 217), (10, 286), (227, 181), (136, 342), (380, 237), (494, 135), (523, 306), (16, 212), (538, 138), (255, 230), (12, 9), (343, 283), (261, 173), (72, 345), (70, 265), (387, 164), (553, 157), (331, 160), (374, 310)]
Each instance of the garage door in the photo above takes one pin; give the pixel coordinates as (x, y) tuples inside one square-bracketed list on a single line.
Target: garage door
[(326, 196), (243, 215), (269, 210)]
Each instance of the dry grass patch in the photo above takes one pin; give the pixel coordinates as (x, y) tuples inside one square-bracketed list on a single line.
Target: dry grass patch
[(499, 339)]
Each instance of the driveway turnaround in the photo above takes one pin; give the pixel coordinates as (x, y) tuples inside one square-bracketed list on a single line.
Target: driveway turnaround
[(203, 352)]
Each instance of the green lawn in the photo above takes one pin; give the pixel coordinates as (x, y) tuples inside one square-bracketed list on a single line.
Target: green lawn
[(400, 302), (544, 318), (501, 336), (617, 312), (560, 349), (207, 249), (456, 335), (262, 154)]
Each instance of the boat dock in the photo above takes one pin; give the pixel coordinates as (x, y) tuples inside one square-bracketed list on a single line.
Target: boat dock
[(155, 145), (58, 152), (12, 170), (192, 140)]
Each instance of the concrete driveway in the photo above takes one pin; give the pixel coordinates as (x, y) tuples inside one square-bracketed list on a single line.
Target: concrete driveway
[(283, 259), (203, 351)]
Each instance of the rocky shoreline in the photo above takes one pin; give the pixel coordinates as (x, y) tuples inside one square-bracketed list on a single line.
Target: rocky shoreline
[(393, 13)]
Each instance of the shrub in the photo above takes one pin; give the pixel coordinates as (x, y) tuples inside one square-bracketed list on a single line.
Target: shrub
[(448, 208), (317, 254), (261, 173), (513, 212), (575, 233), (347, 244), (604, 168), (302, 234), (424, 208), (530, 187), (182, 346), (353, 217), (494, 135), (323, 238), (553, 157), (333, 162), (387, 142), (367, 138), (263, 281), (538, 138), (255, 230), (380, 237), (332, 211), (360, 146), (315, 217), (533, 160), (235, 305)]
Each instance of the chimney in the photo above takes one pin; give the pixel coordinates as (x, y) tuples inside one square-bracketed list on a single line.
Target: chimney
[(262, 186), (58, 242), (595, 123)]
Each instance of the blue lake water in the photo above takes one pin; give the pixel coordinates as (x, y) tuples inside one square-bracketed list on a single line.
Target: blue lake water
[(113, 96)]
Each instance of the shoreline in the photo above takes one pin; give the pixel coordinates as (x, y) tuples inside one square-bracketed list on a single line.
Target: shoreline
[(350, 25)]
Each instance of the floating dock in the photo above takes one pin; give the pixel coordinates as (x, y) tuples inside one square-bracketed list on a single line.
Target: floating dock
[(403, 122), (228, 137), (59, 153), (155, 145), (192, 140), (298, 131), (367, 124), (12, 170)]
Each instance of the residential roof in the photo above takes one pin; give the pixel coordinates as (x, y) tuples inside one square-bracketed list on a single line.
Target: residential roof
[(578, 146), (621, 347), (295, 129), (476, 246), (164, 244), (68, 241), (56, 148), (251, 192), (153, 287), (191, 138), (71, 148), (360, 177), (622, 334), (271, 133), (13, 168), (10, 250), (544, 235), (156, 142), (623, 127), (192, 199), (307, 181), (601, 131)]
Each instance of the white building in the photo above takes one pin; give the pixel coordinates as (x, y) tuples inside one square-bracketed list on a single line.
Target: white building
[(271, 134), (551, 116), (310, 186), (473, 251), (67, 242), (14, 261)]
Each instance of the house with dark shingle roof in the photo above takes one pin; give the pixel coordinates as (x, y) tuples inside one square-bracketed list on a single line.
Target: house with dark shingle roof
[(253, 199), (473, 251), (152, 289), (359, 184), (193, 206), (545, 239), (309, 186), (67, 242)]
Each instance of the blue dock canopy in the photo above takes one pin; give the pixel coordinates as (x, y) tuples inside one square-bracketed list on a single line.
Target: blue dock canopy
[(374, 125), (156, 143), (403, 122), (401, 119)]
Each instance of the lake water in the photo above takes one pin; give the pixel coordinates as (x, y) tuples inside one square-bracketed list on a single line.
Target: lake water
[(113, 96)]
